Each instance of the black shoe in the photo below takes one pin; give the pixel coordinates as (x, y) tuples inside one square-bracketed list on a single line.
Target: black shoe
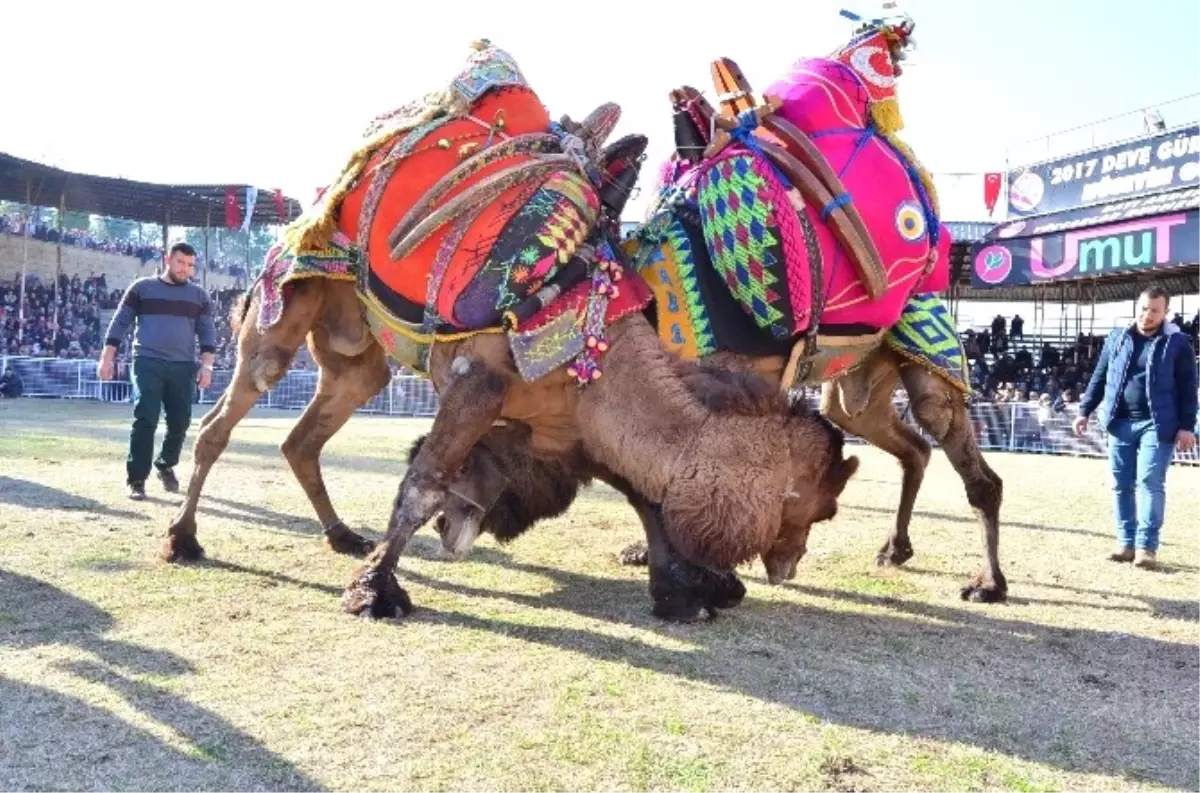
[(137, 491), (169, 482)]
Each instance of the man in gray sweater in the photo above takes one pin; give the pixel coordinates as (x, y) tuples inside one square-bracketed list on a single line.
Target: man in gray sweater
[(170, 313)]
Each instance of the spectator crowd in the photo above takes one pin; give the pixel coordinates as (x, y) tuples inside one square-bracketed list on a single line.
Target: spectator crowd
[(16, 224), (1006, 367)]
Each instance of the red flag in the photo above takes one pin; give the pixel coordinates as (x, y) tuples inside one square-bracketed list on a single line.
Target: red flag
[(280, 206), (233, 217), (991, 190)]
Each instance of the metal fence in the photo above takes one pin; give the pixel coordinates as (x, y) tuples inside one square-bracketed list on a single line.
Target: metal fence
[(1014, 427)]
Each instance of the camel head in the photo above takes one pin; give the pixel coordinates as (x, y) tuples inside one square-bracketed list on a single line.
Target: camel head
[(501, 489), (819, 475), (476, 488)]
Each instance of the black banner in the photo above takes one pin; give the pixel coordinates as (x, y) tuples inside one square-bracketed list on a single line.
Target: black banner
[(1152, 164), (1113, 212), (1156, 242)]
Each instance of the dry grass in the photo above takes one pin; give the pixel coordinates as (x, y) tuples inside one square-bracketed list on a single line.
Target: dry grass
[(538, 666)]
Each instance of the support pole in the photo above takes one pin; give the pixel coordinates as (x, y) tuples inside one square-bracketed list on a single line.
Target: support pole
[(24, 261), (62, 211), (207, 261)]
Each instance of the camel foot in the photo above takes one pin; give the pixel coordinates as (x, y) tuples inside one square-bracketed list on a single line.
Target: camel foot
[(685, 593), (634, 555), (180, 544), (340, 539), (981, 590), (726, 590), (374, 594), (894, 553)]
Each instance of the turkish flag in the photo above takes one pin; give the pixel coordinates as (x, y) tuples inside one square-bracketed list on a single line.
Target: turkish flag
[(233, 217), (991, 190), (280, 206)]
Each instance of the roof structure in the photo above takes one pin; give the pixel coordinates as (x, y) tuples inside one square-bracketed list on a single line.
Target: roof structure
[(193, 206)]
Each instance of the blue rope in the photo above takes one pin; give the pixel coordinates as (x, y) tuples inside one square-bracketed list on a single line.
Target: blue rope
[(862, 141), (743, 134), (931, 220), (837, 131), (839, 201)]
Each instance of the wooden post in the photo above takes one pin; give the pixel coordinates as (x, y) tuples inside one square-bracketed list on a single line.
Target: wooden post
[(207, 261), (62, 211), (24, 261), (165, 225)]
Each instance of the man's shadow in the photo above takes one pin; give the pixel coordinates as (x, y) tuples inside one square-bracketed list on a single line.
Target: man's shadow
[(65, 743), (1083, 700), (33, 495)]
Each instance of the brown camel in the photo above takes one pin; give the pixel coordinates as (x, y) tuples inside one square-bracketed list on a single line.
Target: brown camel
[(859, 402), (715, 476), (511, 488)]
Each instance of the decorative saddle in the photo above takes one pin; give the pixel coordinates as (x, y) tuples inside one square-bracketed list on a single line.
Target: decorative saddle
[(817, 219), (471, 211)]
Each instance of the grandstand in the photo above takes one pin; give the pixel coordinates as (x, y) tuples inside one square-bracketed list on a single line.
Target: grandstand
[(1027, 380)]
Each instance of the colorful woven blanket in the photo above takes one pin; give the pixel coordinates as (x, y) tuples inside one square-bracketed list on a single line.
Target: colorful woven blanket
[(925, 335), (811, 191), (462, 213)]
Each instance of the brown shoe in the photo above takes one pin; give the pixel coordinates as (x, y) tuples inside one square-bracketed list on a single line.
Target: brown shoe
[(1145, 559), (1121, 555)]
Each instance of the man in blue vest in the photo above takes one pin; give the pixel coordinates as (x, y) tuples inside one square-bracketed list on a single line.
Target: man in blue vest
[(1145, 386)]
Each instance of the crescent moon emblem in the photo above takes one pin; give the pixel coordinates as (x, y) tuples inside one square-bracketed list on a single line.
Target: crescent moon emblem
[(860, 59)]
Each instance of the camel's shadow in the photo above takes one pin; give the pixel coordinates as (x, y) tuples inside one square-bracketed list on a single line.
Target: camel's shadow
[(972, 674), (66, 743)]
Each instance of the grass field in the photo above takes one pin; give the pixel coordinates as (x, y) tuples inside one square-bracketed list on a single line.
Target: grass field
[(538, 665)]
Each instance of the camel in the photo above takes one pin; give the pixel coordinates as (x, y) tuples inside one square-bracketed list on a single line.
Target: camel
[(522, 489), (705, 450), (685, 460), (503, 488), (858, 400)]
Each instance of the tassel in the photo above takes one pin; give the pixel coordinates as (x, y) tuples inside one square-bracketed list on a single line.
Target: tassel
[(926, 178), (886, 115)]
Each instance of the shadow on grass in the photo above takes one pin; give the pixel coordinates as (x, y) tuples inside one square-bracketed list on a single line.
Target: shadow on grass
[(967, 517), (34, 495), (56, 741), (1082, 700)]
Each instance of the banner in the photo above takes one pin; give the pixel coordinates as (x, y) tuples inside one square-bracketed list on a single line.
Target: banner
[(233, 218), (1156, 242), (251, 200), (1150, 164), (1158, 204)]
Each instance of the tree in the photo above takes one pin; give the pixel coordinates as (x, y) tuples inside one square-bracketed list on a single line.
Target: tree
[(114, 228), (230, 246)]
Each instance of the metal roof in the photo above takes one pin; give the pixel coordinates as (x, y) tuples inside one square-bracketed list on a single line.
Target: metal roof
[(194, 206), (968, 231)]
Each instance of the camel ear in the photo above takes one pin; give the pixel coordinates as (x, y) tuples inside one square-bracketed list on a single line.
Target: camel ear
[(415, 449), (840, 474), (599, 124), (620, 165)]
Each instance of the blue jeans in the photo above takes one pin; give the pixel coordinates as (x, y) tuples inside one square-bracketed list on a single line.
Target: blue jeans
[(1140, 460)]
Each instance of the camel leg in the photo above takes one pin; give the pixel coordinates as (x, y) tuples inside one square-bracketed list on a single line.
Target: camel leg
[(635, 554), (939, 408), (879, 425), (263, 359), (343, 386), (470, 401), (681, 591), (215, 410)]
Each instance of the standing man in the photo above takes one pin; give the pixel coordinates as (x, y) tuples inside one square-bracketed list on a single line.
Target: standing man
[(1145, 386), (171, 313)]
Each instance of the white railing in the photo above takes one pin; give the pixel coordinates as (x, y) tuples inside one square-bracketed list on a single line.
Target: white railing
[(1014, 427)]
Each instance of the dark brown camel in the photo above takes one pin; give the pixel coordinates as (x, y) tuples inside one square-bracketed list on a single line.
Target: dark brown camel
[(521, 489), (714, 483)]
